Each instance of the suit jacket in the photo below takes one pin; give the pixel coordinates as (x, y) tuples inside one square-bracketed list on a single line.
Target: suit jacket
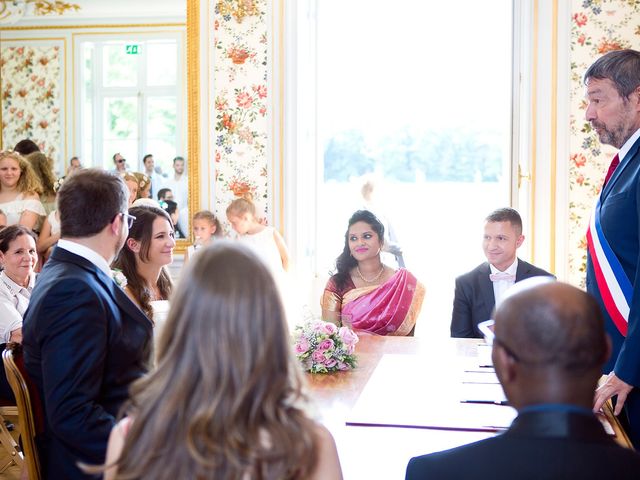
[(474, 299), (84, 343), (620, 214), (538, 445)]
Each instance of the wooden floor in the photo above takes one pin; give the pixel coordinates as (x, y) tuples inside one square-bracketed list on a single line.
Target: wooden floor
[(13, 472)]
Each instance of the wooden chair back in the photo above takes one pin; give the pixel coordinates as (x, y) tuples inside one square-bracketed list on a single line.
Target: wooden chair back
[(27, 407)]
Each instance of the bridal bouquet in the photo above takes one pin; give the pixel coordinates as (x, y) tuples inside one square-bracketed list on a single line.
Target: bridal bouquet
[(322, 347)]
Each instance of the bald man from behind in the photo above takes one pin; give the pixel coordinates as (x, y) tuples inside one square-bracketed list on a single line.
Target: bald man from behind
[(548, 352)]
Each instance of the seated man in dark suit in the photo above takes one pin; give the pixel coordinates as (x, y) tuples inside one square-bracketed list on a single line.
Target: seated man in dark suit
[(548, 351), (480, 290), (84, 340)]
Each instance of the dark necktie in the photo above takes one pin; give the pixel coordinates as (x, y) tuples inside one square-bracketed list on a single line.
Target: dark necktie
[(612, 168)]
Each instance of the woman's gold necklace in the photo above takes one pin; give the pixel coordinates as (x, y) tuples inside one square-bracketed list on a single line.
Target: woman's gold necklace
[(374, 279)]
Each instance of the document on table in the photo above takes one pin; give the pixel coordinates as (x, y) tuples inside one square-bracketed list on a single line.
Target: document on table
[(413, 391)]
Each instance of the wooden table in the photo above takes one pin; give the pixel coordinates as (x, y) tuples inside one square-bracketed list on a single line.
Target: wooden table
[(379, 452)]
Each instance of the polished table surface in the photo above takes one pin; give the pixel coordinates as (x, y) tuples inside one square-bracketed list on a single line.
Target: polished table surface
[(372, 452)]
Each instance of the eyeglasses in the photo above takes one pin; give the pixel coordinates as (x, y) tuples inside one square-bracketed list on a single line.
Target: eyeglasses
[(129, 218), (122, 160)]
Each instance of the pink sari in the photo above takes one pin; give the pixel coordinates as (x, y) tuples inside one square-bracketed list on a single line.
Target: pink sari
[(388, 309)]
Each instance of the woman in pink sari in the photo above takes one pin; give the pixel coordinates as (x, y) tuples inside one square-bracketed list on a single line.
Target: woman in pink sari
[(365, 292)]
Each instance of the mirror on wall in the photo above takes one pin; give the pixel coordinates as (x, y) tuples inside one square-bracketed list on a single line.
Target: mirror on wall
[(105, 83)]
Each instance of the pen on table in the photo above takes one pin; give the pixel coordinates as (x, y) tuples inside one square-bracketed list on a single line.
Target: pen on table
[(486, 402)]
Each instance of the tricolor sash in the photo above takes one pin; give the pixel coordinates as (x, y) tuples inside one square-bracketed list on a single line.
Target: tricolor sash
[(614, 286)]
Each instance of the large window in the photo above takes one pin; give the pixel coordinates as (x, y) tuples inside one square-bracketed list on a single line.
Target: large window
[(414, 97), (131, 91)]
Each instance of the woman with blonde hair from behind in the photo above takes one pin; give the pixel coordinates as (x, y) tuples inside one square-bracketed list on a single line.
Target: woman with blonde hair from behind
[(224, 400), (43, 168)]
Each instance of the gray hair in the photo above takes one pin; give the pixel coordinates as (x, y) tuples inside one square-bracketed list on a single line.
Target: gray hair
[(622, 67)]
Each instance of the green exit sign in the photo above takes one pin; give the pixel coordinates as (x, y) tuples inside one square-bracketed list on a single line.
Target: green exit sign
[(132, 49)]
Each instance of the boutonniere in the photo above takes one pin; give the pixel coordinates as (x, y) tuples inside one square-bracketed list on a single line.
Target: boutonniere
[(119, 278)]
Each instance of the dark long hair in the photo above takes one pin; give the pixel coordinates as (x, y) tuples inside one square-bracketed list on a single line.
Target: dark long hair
[(345, 262), (10, 233), (141, 231), (222, 402)]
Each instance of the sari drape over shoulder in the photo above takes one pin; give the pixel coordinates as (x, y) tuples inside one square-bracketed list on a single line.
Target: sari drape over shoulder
[(388, 309)]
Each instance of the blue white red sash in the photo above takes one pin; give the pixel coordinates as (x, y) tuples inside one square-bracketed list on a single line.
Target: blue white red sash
[(613, 284)]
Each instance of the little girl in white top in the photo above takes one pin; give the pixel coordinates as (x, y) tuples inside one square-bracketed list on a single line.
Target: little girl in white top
[(265, 241), (205, 226)]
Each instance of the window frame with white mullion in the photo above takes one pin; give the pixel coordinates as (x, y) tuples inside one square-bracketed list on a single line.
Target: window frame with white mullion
[(141, 91)]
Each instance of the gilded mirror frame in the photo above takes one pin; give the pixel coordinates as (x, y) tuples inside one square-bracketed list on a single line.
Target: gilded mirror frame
[(192, 97), (193, 116)]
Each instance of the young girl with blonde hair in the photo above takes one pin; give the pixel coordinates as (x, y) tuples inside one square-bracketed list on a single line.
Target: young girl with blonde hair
[(19, 191), (224, 399), (205, 227), (265, 241)]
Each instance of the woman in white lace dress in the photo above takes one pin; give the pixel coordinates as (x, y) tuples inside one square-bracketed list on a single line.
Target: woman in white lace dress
[(144, 258), (19, 191)]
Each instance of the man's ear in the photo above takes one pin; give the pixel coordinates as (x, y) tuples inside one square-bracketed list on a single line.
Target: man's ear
[(519, 241), (116, 225), (504, 364), (133, 245)]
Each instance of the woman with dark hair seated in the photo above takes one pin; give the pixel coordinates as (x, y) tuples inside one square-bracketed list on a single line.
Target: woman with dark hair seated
[(144, 258), (366, 293), (224, 401), (18, 258)]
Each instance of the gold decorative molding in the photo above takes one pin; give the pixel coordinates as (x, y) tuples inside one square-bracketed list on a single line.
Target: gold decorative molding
[(534, 129), (281, 37), (553, 154), (193, 111), (239, 9), (40, 8), (100, 25), (45, 7)]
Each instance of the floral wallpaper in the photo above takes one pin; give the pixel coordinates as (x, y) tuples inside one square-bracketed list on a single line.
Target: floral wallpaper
[(597, 27), (241, 125), (31, 96)]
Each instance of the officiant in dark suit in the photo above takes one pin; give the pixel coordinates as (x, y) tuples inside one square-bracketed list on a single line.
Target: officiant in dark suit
[(549, 346), (84, 340), (481, 289), (613, 255)]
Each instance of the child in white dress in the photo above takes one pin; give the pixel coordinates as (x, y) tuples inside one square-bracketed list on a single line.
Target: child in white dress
[(265, 241)]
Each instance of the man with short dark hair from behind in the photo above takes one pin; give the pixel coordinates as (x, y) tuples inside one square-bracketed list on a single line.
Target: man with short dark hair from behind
[(480, 290), (548, 350), (84, 340)]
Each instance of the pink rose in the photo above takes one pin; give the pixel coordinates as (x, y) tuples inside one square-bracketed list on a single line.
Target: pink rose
[(330, 363), (347, 336), (302, 346), (330, 328), (244, 100), (326, 345), (343, 366), (318, 356), (318, 327)]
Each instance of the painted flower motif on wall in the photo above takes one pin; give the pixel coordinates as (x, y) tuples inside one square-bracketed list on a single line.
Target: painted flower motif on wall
[(241, 186), (240, 104), (614, 25), (31, 100)]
